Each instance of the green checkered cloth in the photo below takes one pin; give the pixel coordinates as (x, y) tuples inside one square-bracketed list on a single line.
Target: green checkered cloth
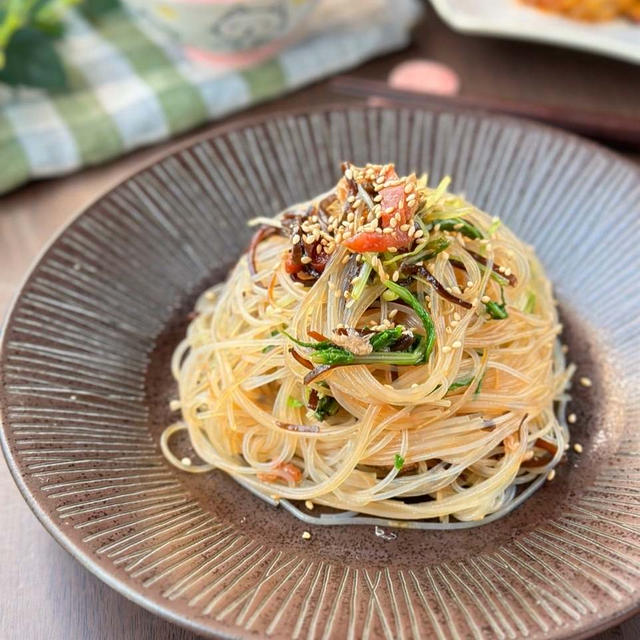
[(129, 88)]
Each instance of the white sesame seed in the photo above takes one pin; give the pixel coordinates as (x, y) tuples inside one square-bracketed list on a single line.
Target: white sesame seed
[(404, 227), (295, 239), (393, 222), (418, 234), (350, 217), (174, 405), (305, 259), (389, 210), (380, 179), (469, 284), (396, 276), (348, 174), (387, 230), (551, 475), (392, 249), (571, 418), (186, 461), (485, 299), (585, 382), (456, 315), (309, 504), (351, 199), (577, 447), (457, 226), (507, 271), (306, 535), (527, 456), (446, 348), (356, 203), (377, 198), (408, 188), (394, 312), (456, 344), (457, 290)]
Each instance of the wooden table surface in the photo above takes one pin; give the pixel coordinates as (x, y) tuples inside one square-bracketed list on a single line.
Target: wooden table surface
[(44, 592)]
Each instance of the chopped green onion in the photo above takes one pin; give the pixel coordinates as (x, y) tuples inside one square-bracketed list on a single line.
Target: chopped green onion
[(294, 403), (398, 461), (457, 224), (384, 339), (401, 358), (477, 391), (421, 312), (530, 304), (268, 348), (363, 278)]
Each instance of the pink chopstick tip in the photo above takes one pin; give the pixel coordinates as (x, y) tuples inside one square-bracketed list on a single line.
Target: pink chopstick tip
[(425, 76)]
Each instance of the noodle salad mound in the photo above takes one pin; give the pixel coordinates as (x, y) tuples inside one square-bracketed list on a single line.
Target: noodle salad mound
[(385, 349)]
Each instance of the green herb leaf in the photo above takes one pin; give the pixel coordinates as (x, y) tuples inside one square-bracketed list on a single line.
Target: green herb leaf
[(457, 384), (398, 461), (325, 344), (327, 406), (386, 338), (31, 60), (495, 310), (294, 403), (421, 312), (457, 224), (332, 355)]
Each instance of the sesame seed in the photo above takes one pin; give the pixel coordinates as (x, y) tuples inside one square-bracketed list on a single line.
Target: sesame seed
[(393, 313), (392, 249), (393, 222), (446, 348), (551, 475), (577, 447), (571, 418), (346, 234), (412, 231), (351, 199), (456, 315), (454, 323), (389, 210), (404, 227), (186, 461), (350, 217), (378, 230), (380, 179), (348, 174), (174, 405), (295, 239), (308, 504), (469, 284), (396, 276), (485, 299), (507, 271), (585, 382), (437, 227), (457, 226), (456, 344), (356, 204), (305, 259), (408, 188), (374, 261), (387, 230), (457, 290), (378, 198), (306, 535), (418, 234), (527, 456)]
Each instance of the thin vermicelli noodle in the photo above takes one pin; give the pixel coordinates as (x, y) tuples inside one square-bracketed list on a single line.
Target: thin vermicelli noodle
[(411, 374)]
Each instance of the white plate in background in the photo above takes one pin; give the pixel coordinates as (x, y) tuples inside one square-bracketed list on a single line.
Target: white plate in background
[(512, 19)]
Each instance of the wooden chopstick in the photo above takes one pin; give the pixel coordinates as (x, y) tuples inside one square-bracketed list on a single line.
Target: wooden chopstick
[(619, 130)]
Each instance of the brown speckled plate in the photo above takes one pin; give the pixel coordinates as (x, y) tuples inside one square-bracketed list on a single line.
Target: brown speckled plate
[(85, 383)]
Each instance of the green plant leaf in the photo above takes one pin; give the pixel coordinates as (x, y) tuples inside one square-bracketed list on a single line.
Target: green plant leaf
[(94, 9), (32, 61)]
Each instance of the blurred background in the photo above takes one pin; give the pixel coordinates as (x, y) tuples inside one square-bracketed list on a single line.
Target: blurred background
[(92, 90)]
